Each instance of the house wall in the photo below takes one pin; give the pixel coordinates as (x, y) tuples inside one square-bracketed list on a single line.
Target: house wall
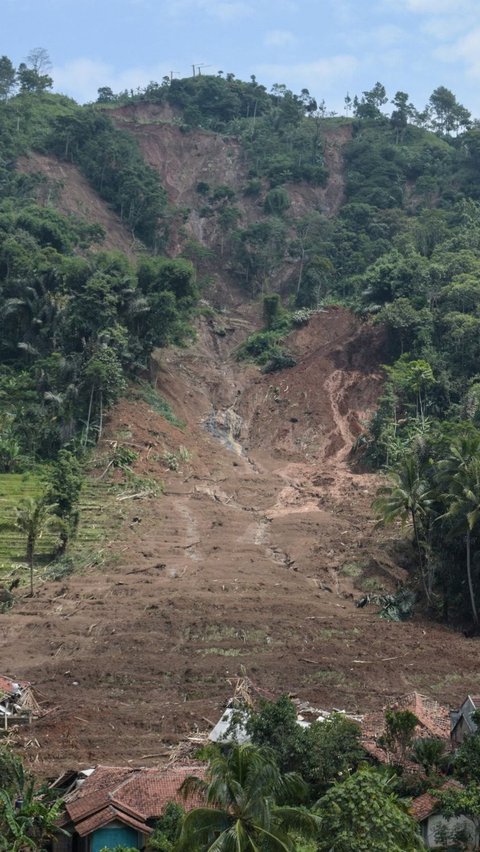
[(461, 731), (465, 725), (114, 835), (436, 823)]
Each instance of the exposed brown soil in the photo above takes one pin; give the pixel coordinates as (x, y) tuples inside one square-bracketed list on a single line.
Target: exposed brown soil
[(184, 159), (251, 558), (68, 191)]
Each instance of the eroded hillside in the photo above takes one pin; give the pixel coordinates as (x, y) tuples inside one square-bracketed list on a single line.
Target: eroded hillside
[(69, 191), (251, 558), (184, 160)]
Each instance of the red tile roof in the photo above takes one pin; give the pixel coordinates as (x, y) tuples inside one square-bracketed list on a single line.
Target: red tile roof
[(427, 803), (106, 816), (153, 788), (129, 794), (433, 721)]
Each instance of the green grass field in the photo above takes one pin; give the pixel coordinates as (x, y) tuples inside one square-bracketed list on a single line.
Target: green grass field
[(96, 521)]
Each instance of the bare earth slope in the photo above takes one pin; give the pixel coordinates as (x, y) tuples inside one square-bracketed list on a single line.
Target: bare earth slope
[(251, 558), (70, 192)]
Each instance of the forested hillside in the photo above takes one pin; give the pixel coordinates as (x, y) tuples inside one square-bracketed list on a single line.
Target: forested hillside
[(399, 245)]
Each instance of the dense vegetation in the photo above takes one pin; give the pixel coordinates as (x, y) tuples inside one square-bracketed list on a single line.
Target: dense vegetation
[(75, 324), (253, 796), (403, 251)]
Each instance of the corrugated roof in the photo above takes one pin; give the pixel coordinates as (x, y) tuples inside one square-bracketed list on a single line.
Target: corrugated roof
[(236, 731)]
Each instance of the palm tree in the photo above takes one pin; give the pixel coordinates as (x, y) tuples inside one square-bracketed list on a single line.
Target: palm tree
[(430, 753), (463, 501), (240, 814), (408, 497), (33, 517)]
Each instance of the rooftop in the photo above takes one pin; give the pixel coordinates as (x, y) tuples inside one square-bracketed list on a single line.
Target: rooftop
[(132, 795)]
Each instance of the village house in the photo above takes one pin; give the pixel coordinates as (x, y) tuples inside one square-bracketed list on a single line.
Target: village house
[(462, 722), (433, 722), (436, 829), (17, 701), (113, 806)]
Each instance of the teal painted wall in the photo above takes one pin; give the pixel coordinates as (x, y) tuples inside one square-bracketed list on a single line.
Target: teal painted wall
[(112, 836)]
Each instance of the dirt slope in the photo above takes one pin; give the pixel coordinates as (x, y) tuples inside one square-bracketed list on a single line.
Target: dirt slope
[(185, 159), (68, 191), (251, 558)]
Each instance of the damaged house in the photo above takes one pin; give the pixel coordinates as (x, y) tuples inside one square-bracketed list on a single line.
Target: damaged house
[(17, 701)]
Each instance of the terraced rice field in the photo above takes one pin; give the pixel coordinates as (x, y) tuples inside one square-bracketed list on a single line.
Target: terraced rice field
[(95, 507)]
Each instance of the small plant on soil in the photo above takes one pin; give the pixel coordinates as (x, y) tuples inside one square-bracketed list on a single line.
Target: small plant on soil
[(173, 460), (123, 457), (156, 401)]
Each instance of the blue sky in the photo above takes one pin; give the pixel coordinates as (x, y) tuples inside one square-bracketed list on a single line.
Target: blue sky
[(327, 46)]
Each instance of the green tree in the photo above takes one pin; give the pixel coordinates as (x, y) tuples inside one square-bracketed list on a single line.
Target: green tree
[(34, 516), (463, 510), (64, 485), (431, 754), (370, 104), (363, 814), (104, 381), (34, 77), (466, 763), (401, 114), (7, 78), (461, 802), (408, 497), (400, 728), (322, 753), (240, 813), (449, 115), (27, 819), (166, 829)]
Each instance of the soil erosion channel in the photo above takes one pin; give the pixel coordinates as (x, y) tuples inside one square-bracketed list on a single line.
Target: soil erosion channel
[(250, 558)]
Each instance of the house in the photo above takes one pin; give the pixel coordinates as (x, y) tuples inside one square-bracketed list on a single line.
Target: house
[(435, 828), (231, 727), (16, 700), (433, 722), (118, 805), (462, 723)]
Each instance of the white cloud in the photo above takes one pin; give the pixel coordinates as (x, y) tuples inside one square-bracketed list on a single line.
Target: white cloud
[(465, 49), (433, 7), (82, 77), (387, 35), (279, 38), (224, 10), (317, 75)]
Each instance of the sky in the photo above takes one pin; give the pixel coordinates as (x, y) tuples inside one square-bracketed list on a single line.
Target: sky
[(330, 47)]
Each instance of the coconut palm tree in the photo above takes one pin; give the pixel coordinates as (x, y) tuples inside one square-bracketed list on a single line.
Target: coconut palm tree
[(430, 753), (463, 502), (408, 498), (34, 516), (240, 813)]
